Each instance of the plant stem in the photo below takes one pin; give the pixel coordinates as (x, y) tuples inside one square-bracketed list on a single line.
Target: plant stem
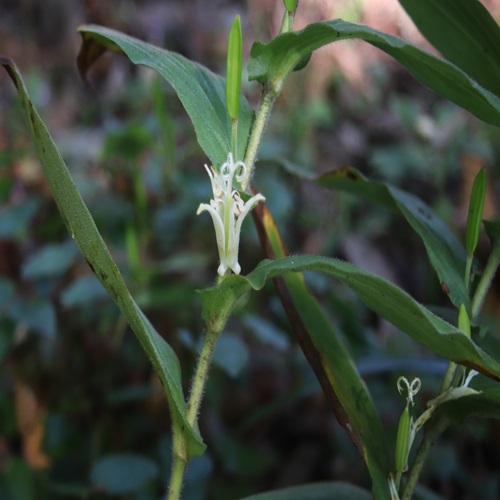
[(180, 460), (486, 279), (431, 434), (177, 474), (448, 376), (201, 375), (397, 481), (234, 137), (266, 104)]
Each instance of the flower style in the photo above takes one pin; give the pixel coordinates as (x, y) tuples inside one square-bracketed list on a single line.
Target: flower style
[(412, 388), (228, 211)]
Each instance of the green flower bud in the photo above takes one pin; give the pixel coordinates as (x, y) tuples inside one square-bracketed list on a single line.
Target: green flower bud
[(476, 205), (463, 320), (403, 440), (234, 68), (290, 5)]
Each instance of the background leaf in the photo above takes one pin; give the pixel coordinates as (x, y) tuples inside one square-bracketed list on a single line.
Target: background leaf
[(464, 32), (493, 230), (270, 63), (37, 314), (82, 228), (83, 292), (316, 491), (51, 261), (202, 93), (122, 474), (483, 405), (446, 254)]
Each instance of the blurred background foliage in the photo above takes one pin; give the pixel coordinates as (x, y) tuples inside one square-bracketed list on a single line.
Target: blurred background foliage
[(82, 415)]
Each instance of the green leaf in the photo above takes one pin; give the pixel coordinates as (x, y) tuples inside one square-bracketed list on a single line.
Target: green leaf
[(337, 490), (476, 205), (201, 92), (123, 474), (464, 32), (82, 228), (270, 63), (446, 254), (392, 303)]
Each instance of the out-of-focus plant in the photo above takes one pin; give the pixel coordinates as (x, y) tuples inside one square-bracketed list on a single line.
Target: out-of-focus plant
[(230, 135)]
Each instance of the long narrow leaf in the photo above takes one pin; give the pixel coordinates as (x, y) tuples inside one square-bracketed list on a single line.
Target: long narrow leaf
[(82, 228), (201, 92), (270, 63), (392, 303), (464, 32)]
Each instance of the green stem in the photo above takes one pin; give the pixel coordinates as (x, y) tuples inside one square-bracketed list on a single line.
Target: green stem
[(397, 481), (178, 467), (287, 23), (266, 104), (201, 375), (430, 436), (486, 279), (180, 460), (448, 376), (284, 23), (234, 138)]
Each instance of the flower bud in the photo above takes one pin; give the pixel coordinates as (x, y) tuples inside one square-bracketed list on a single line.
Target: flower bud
[(234, 69), (290, 5), (463, 321), (403, 440)]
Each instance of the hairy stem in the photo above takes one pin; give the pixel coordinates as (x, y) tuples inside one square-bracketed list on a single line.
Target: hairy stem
[(180, 459), (201, 375), (179, 463), (266, 104)]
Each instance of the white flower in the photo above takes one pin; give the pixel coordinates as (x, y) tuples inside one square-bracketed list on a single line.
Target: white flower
[(228, 211)]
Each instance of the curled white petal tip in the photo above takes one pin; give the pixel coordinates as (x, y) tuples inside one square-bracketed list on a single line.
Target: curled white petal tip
[(228, 211)]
